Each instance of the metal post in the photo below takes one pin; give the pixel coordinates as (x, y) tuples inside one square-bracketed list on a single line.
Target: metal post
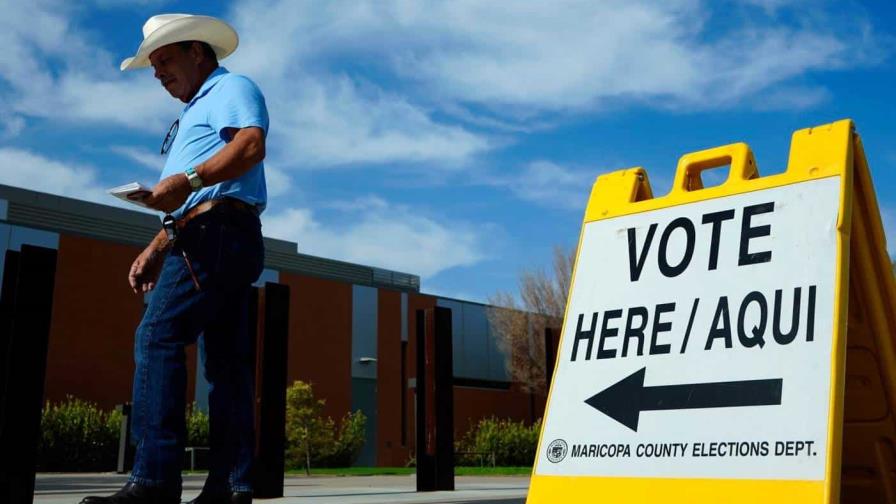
[(444, 399), (435, 401), (27, 342), (426, 467), (125, 450), (271, 421), (7, 306)]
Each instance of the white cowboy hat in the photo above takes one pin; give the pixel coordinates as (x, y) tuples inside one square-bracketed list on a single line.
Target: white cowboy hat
[(167, 29)]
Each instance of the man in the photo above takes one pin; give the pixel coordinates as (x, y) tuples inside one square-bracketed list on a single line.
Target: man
[(213, 185)]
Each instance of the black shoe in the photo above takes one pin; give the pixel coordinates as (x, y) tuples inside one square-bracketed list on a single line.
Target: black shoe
[(222, 498), (132, 493)]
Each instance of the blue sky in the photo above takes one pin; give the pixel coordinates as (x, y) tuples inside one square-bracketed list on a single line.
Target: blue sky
[(454, 140)]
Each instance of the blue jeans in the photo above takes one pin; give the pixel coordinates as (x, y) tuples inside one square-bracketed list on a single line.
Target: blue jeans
[(226, 250)]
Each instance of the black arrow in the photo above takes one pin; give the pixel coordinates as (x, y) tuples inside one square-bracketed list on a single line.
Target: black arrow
[(625, 400)]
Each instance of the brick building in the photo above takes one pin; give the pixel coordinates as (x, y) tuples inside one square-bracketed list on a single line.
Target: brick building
[(349, 324)]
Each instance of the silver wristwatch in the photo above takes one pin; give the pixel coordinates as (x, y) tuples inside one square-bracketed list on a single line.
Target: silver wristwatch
[(193, 177)]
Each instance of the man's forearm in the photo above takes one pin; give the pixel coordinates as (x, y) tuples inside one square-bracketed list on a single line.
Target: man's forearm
[(245, 150), (159, 242)]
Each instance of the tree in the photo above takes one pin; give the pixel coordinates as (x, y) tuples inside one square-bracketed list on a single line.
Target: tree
[(315, 440), (519, 328)]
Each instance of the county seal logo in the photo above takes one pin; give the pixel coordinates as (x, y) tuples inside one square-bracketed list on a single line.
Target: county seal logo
[(557, 450)]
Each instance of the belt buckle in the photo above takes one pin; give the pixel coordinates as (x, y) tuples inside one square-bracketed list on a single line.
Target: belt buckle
[(169, 224)]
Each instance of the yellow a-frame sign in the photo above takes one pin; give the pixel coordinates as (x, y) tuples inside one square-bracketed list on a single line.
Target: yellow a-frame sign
[(728, 344)]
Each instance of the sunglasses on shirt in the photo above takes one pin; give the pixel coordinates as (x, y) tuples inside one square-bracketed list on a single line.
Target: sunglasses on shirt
[(169, 138)]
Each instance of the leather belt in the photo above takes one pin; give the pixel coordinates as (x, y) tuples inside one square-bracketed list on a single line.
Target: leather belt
[(205, 206)]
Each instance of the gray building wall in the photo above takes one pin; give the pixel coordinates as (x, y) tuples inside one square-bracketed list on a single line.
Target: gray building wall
[(13, 237), (364, 352), (476, 354)]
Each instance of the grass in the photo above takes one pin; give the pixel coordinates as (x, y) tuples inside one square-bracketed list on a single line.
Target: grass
[(386, 471), (492, 471), (352, 471)]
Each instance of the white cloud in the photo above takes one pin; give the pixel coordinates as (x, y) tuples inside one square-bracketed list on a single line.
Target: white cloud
[(277, 181), (135, 100), (10, 125), (29, 170), (383, 235), (770, 6), (523, 59), (359, 81), (320, 119), (130, 3), (792, 98), (441, 291), (140, 155), (543, 58), (324, 121), (547, 183), (25, 169), (327, 117), (42, 72), (361, 204)]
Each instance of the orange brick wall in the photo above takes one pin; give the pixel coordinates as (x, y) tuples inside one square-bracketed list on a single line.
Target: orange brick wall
[(320, 338), (95, 314)]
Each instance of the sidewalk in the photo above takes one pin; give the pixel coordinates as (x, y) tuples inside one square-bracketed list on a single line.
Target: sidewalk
[(71, 488)]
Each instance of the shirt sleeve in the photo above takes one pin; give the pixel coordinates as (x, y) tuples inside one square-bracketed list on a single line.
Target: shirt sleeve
[(242, 106)]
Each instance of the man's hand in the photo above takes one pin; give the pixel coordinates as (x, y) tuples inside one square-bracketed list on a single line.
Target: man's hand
[(169, 194), (146, 268)]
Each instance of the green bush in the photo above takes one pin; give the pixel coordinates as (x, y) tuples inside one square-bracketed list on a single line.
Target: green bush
[(315, 441), (75, 435), (501, 442), (197, 426), (348, 441)]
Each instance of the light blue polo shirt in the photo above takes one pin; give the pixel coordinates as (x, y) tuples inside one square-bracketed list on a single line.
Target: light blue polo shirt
[(225, 100)]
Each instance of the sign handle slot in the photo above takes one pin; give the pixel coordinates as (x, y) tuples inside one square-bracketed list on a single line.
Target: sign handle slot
[(690, 166)]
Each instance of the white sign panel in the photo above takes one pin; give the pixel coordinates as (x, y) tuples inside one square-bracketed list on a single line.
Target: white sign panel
[(698, 341)]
